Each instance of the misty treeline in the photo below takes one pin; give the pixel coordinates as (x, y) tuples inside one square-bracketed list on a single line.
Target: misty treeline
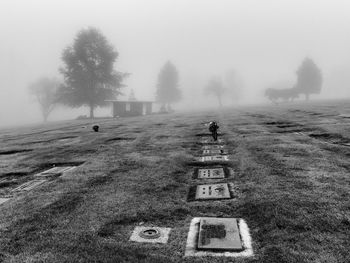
[(89, 79), (309, 81)]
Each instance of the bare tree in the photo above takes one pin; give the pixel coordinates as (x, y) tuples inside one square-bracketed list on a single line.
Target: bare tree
[(216, 88), (45, 92)]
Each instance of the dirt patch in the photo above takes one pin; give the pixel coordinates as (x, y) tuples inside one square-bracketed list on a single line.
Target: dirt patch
[(8, 152), (13, 174), (330, 137), (120, 139), (278, 123)]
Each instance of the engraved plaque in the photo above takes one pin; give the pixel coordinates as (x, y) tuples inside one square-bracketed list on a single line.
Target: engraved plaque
[(55, 171), (212, 141), (3, 200), (219, 234), (212, 147), (212, 191), (211, 173), (214, 151), (214, 158), (29, 185)]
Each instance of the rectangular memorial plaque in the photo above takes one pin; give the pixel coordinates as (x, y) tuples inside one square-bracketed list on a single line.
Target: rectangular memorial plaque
[(29, 185), (212, 191), (212, 173), (212, 141), (214, 151), (55, 171), (215, 158), (213, 147), (219, 234), (3, 200)]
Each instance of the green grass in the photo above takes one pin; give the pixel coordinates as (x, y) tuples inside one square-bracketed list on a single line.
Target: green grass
[(291, 187)]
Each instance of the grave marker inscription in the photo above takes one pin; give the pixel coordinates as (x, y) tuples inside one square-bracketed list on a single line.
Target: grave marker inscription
[(219, 234), (3, 200), (212, 191), (29, 185), (211, 173), (212, 147), (55, 171), (213, 158), (214, 151)]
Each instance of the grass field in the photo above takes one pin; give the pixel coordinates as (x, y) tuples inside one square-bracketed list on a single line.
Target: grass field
[(291, 185)]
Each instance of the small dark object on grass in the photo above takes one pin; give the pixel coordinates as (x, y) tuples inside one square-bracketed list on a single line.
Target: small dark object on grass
[(95, 128), (213, 128)]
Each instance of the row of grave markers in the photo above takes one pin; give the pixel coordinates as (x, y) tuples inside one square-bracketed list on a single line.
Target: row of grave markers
[(208, 236)]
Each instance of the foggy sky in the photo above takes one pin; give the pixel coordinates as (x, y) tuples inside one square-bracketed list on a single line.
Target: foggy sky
[(262, 40)]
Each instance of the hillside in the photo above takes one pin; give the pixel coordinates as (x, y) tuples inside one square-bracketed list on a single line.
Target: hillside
[(290, 184)]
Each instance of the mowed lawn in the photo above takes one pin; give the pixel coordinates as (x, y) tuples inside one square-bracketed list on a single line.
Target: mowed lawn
[(291, 185)]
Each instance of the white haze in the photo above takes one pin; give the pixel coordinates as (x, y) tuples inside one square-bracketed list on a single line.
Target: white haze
[(263, 41)]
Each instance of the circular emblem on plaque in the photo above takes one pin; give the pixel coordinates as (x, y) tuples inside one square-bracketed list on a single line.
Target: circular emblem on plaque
[(150, 233)]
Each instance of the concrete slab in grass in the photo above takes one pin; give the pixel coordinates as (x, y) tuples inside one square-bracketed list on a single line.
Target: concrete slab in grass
[(214, 151), (237, 241), (3, 200), (150, 234), (213, 147), (29, 185), (212, 141), (213, 158), (55, 171), (211, 173), (212, 191), (219, 234), (344, 115)]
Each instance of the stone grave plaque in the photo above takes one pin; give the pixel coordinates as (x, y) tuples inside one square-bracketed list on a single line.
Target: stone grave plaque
[(213, 151), (29, 185), (212, 147), (212, 173), (55, 171), (214, 158), (212, 191), (3, 200), (212, 141), (219, 234)]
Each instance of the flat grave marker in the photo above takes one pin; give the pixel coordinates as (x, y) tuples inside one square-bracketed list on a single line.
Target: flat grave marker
[(3, 200), (214, 151), (212, 191), (211, 173), (212, 141), (55, 171), (29, 185), (213, 158), (219, 234), (218, 237), (213, 147), (150, 234)]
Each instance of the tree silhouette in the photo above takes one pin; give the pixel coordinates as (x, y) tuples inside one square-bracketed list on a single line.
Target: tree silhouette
[(309, 78), (45, 92), (216, 88), (234, 85), (89, 76), (167, 86)]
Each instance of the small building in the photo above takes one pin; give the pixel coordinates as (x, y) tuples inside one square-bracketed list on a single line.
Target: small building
[(131, 108)]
